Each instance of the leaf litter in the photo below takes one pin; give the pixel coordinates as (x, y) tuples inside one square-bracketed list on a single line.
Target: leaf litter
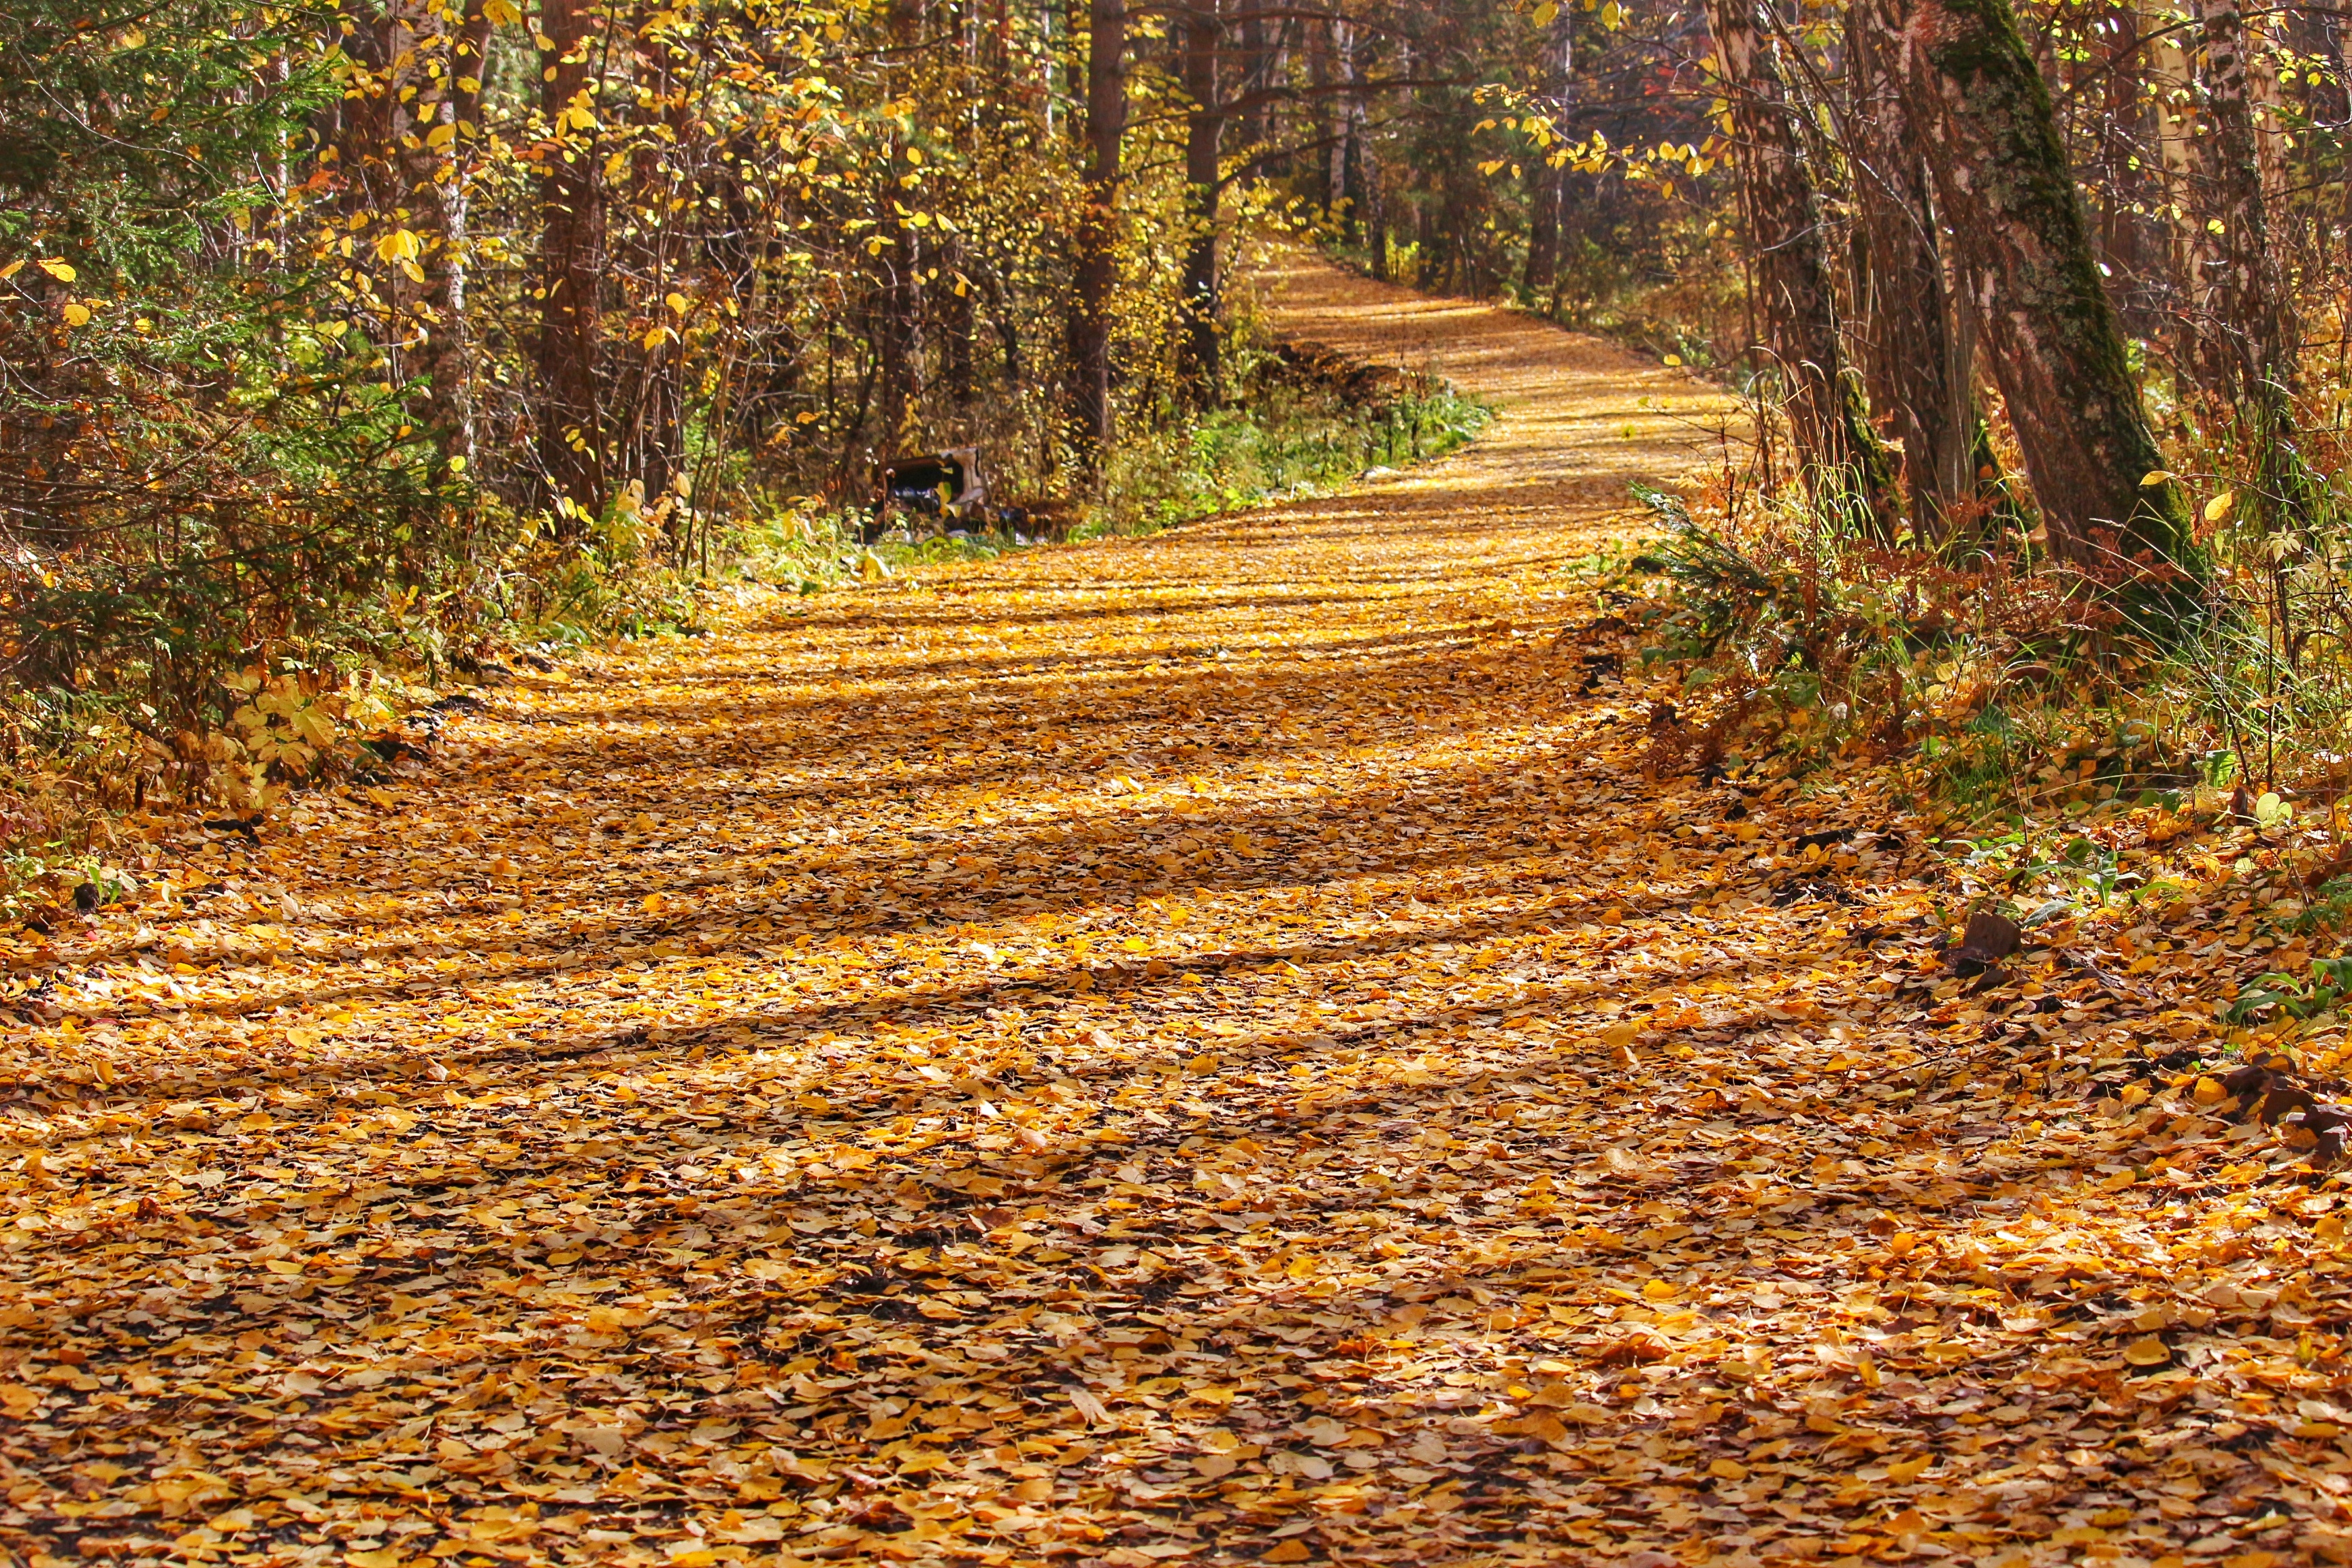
[(1204, 1049)]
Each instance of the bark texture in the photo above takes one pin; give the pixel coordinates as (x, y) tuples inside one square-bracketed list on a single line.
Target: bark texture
[(2005, 189), (1548, 181), (897, 349), (446, 358), (1197, 347), (2249, 333), (571, 245), (1839, 459), (1913, 341), (1090, 412)]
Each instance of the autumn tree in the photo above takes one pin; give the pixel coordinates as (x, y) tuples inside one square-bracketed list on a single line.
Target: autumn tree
[(2004, 186), (1913, 335), (571, 260), (1836, 451), (2251, 341), (1097, 266)]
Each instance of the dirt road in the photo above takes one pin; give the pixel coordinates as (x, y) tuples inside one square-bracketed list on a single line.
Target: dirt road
[(1201, 1048)]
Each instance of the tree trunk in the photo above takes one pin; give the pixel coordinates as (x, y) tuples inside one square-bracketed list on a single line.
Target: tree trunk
[(2249, 333), (362, 120), (1548, 181), (446, 360), (1252, 76), (1204, 187), (1350, 152), (952, 305), (2002, 182), (1090, 410), (644, 409), (2168, 84), (572, 244), (1913, 351), (1544, 184), (1838, 456), (897, 299), (1323, 188), (2128, 186)]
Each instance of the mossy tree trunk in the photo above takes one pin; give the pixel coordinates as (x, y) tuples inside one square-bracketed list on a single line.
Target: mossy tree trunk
[(2001, 180), (1841, 460)]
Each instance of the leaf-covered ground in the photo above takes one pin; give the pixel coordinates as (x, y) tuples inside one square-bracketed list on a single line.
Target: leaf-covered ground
[(1203, 1048)]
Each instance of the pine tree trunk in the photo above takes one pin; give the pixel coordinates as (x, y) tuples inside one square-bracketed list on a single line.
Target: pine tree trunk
[(1839, 456), (2006, 193), (1090, 409), (572, 244)]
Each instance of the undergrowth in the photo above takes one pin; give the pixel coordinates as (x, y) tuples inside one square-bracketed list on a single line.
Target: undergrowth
[(2027, 712), (1288, 443), (94, 758)]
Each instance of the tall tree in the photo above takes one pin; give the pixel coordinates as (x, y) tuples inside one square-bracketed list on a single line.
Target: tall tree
[(1201, 29), (1839, 456), (2250, 331), (571, 245), (1914, 343), (2003, 184), (1548, 179), (897, 299), (453, 132), (1095, 272)]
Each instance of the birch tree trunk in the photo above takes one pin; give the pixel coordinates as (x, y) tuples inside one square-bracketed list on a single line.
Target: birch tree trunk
[(2002, 182), (1841, 460), (445, 359)]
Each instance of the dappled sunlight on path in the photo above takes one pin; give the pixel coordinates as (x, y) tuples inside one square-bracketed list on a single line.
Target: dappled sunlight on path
[(1207, 1047)]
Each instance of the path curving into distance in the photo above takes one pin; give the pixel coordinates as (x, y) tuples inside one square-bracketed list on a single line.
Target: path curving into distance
[(1203, 1048)]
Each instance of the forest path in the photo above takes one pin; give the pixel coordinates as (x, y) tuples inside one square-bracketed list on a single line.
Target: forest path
[(1200, 1048)]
